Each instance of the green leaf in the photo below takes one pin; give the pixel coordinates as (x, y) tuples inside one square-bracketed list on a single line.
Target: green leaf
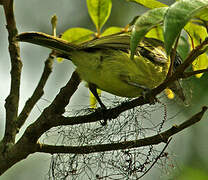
[(112, 30), (156, 33), (149, 3), (198, 33), (178, 16), (78, 35), (99, 11), (183, 47), (203, 14), (143, 24)]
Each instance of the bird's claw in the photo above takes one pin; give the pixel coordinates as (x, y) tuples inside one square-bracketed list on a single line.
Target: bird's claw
[(147, 95)]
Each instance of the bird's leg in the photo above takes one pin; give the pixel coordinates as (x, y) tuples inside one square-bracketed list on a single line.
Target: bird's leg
[(145, 92), (93, 89)]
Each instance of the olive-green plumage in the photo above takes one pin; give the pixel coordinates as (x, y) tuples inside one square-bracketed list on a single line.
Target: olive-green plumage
[(106, 62), (114, 72)]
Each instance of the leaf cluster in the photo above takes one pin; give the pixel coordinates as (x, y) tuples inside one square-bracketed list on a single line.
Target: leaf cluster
[(183, 18)]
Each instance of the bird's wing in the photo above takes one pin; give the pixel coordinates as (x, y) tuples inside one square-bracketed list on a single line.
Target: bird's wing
[(121, 41), (149, 48)]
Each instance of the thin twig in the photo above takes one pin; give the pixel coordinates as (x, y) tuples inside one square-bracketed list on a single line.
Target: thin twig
[(153, 140), (56, 108), (192, 73), (37, 94), (172, 57), (158, 157)]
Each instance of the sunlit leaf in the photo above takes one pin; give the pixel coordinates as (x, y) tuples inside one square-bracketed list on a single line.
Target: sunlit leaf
[(99, 11), (203, 14), (77, 35), (156, 33), (197, 34), (149, 3), (169, 93), (112, 30), (143, 24), (200, 63), (178, 16)]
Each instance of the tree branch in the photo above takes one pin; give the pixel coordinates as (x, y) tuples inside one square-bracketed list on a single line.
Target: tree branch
[(197, 51), (152, 140), (37, 93), (57, 119), (57, 107), (12, 101), (157, 158), (27, 143), (192, 73), (179, 73)]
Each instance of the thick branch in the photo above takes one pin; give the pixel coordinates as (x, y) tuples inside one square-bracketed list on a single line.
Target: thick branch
[(57, 107), (27, 144), (15, 153), (12, 101), (153, 140), (37, 93)]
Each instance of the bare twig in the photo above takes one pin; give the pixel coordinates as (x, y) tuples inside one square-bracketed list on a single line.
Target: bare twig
[(37, 94), (172, 57), (158, 157), (153, 140), (192, 73), (27, 142), (57, 107), (12, 101)]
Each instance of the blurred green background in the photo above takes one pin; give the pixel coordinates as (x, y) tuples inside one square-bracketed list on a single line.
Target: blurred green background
[(189, 148)]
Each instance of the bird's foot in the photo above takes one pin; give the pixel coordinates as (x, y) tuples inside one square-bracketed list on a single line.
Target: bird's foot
[(147, 95), (103, 110)]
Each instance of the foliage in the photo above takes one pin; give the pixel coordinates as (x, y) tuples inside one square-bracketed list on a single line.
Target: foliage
[(181, 14)]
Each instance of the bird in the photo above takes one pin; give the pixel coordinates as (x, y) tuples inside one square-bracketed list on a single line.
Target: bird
[(104, 63)]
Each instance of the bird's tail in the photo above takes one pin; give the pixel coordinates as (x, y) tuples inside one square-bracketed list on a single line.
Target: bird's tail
[(46, 40)]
